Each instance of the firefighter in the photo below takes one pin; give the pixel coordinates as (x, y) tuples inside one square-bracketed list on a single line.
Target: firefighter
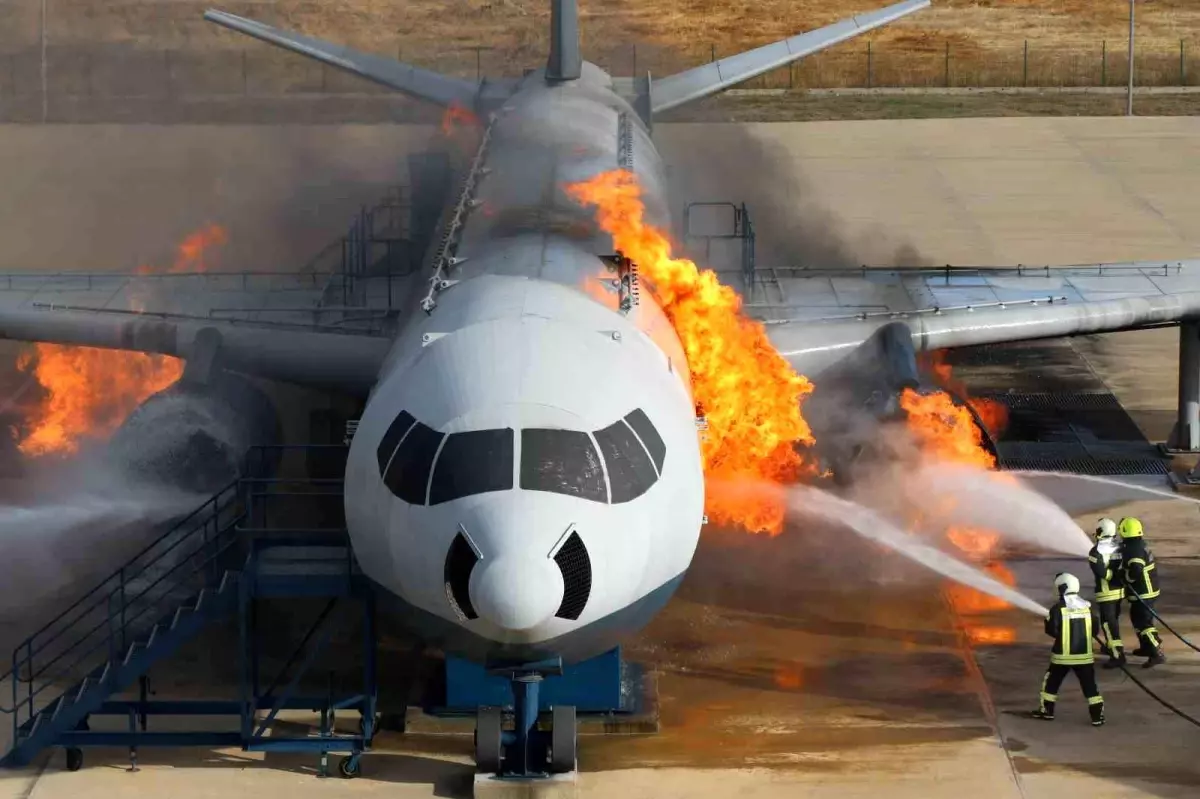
[(1069, 623), (1141, 590), (1105, 560)]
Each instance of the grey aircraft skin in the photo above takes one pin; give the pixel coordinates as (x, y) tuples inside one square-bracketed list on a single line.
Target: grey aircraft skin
[(525, 480)]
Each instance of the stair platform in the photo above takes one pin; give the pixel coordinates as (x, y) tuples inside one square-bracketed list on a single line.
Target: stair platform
[(214, 565)]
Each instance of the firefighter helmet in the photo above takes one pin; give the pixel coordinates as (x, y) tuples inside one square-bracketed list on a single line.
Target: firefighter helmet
[(1106, 528), (1130, 528), (1066, 583)]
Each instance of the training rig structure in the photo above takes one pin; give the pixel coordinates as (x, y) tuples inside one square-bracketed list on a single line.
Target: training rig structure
[(255, 542)]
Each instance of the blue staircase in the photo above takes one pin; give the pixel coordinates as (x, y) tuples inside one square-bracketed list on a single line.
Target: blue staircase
[(207, 566)]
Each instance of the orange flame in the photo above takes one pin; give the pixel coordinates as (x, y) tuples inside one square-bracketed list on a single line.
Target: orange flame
[(993, 414), (789, 677), (986, 634), (978, 545), (89, 392), (945, 430), (455, 117), (749, 393)]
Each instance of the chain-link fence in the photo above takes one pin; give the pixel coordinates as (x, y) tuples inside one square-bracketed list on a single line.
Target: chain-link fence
[(51, 83)]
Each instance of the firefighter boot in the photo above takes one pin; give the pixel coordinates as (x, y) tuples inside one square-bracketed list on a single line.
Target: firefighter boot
[(1157, 658), (1115, 662), (1096, 711)]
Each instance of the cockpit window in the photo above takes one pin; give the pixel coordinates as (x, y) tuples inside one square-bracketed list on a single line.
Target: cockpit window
[(561, 462), (474, 462), (630, 471), (387, 446), (642, 425), (408, 473)]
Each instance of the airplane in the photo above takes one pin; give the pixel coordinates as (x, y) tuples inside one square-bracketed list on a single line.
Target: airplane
[(525, 484)]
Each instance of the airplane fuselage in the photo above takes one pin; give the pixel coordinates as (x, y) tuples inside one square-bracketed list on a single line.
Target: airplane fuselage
[(526, 480)]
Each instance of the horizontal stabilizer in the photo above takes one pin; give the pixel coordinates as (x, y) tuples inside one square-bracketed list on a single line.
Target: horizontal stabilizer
[(695, 84), (423, 84), (343, 362)]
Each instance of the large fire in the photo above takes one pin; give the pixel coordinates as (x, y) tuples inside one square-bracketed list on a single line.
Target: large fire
[(88, 392), (750, 394), (945, 430)]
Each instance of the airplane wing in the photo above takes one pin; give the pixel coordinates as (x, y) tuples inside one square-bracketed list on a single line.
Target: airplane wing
[(302, 328), (817, 317), (702, 81)]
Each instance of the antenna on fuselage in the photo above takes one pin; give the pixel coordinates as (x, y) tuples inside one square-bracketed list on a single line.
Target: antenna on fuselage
[(565, 62)]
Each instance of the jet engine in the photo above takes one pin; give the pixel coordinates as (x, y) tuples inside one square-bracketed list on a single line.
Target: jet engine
[(194, 435), (855, 397)]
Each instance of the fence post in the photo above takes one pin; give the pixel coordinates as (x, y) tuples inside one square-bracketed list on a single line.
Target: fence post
[(1104, 63), (245, 75), (947, 65), (1025, 66), (870, 64), (791, 75), (712, 52), (167, 71), (1182, 65)]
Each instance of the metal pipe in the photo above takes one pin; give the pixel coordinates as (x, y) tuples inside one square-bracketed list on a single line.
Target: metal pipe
[(1129, 104), (1187, 430)]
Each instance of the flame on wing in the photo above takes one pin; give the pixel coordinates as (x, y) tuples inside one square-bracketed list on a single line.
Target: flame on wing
[(89, 392)]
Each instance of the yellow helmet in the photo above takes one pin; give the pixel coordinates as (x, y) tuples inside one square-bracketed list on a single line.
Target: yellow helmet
[(1130, 528)]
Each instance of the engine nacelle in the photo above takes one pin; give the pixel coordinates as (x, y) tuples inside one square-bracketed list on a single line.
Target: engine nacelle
[(194, 436), (854, 396)]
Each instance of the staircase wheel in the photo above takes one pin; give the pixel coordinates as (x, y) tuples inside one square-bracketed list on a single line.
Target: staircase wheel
[(74, 758), (488, 740), (562, 739), (350, 766)]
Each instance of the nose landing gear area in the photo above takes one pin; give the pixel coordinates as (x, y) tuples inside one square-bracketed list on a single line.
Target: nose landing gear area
[(519, 754)]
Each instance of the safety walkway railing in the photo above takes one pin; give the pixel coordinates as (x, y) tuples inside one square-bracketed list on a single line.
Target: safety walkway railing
[(99, 626), (191, 554)]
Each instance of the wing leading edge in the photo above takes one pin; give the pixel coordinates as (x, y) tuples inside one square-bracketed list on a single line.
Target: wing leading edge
[(421, 83), (962, 308), (344, 362), (702, 81)]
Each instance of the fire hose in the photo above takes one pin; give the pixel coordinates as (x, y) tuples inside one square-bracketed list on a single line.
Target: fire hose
[(1104, 644), (1161, 620)]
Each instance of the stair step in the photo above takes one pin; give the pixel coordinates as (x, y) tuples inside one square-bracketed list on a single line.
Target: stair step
[(180, 613)]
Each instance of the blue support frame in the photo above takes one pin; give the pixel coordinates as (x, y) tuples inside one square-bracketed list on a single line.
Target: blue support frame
[(592, 686)]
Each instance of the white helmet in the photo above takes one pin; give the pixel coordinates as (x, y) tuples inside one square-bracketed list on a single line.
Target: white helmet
[(1066, 583), (1106, 528)]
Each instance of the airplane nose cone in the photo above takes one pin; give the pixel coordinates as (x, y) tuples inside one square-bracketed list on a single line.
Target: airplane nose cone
[(517, 594)]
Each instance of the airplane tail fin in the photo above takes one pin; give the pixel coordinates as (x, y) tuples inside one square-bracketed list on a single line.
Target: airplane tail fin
[(695, 84), (421, 83), (566, 61)]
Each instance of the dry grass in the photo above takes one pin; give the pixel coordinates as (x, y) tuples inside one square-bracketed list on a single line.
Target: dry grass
[(985, 37)]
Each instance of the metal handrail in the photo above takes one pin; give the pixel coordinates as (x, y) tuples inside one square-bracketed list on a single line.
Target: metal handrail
[(134, 597), (102, 596)]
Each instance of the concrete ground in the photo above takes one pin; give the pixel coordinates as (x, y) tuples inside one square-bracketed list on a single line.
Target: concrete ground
[(864, 678)]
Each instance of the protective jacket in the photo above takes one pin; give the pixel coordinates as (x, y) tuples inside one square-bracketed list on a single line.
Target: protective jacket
[(1141, 574), (1069, 623), (1107, 568)]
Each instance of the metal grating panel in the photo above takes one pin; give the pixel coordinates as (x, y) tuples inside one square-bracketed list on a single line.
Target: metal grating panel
[(1064, 401), (1091, 466)]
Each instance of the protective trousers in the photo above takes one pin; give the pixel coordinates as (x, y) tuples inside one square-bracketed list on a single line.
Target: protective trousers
[(1110, 622), (1143, 624), (1086, 673)]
